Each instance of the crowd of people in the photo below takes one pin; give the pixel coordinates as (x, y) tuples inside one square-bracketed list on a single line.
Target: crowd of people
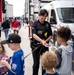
[(57, 62), (14, 24)]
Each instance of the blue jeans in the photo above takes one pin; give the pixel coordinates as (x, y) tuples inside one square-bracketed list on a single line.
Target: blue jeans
[(6, 32)]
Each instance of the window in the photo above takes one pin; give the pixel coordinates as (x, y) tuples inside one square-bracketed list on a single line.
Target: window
[(66, 15)]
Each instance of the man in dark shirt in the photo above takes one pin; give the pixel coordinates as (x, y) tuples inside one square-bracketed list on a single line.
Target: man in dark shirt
[(6, 26), (41, 35)]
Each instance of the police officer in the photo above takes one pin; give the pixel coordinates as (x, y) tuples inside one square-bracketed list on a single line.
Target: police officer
[(41, 34)]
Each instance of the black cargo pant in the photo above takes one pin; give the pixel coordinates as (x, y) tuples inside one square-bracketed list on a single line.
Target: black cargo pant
[(36, 58)]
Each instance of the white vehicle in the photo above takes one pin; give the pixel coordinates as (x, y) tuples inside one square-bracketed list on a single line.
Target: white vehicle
[(61, 12)]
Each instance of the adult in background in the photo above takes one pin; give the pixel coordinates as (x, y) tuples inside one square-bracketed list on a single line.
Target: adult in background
[(15, 26), (41, 35), (6, 25)]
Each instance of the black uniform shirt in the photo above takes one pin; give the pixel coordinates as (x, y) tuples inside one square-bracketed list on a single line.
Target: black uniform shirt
[(41, 30)]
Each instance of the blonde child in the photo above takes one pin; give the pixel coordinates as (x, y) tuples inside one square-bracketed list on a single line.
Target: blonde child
[(3, 69), (49, 62)]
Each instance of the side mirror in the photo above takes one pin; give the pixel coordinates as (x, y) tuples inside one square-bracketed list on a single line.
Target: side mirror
[(53, 20)]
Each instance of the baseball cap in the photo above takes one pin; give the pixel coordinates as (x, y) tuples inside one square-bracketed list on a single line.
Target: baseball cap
[(13, 38)]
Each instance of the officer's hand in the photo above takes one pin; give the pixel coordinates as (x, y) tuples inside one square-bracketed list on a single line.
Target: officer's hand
[(44, 43)]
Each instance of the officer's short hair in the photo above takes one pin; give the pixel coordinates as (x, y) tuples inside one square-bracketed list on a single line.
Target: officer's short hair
[(43, 12)]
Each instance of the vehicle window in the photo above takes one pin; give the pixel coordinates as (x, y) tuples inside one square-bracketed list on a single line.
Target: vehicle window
[(66, 15), (53, 16)]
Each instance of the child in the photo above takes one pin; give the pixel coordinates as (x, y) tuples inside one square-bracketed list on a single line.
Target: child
[(16, 65), (3, 69), (49, 62), (64, 52)]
